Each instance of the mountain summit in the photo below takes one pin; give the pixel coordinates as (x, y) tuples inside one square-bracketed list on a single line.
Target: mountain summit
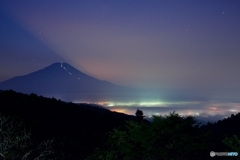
[(63, 81)]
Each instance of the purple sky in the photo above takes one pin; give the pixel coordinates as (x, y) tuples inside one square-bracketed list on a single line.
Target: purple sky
[(185, 48)]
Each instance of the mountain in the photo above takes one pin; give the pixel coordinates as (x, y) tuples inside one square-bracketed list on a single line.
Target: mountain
[(61, 80)]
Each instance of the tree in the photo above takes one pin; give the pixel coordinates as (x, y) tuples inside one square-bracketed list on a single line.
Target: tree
[(15, 142), (139, 115), (167, 137), (233, 143)]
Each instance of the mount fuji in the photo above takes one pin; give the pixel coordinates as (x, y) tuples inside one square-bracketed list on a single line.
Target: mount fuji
[(61, 80)]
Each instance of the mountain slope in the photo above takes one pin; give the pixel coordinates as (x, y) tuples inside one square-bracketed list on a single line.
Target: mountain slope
[(63, 81), (76, 129)]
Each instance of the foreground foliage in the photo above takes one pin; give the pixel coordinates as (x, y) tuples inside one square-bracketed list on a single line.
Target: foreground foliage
[(168, 137), (76, 129), (16, 143), (233, 143)]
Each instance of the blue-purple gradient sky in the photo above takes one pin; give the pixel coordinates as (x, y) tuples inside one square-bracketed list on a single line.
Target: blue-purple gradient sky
[(186, 48)]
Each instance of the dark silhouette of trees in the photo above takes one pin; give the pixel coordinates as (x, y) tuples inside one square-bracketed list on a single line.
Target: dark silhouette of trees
[(221, 129), (168, 137), (139, 115), (233, 143), (16, 143), (76, 129)]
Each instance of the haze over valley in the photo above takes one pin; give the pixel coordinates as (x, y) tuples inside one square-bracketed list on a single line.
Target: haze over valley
[(62, 81)]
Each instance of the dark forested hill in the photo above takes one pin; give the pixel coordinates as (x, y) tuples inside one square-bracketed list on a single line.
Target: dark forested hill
[(77, 129), (223, 128)]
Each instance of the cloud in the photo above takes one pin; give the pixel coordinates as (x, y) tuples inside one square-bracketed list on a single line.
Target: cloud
[(204, 111)]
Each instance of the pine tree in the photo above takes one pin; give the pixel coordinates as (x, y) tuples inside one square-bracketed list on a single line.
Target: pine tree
[(139, 115)]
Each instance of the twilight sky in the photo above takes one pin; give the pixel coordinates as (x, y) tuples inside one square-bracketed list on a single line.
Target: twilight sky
[(186, 48)]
